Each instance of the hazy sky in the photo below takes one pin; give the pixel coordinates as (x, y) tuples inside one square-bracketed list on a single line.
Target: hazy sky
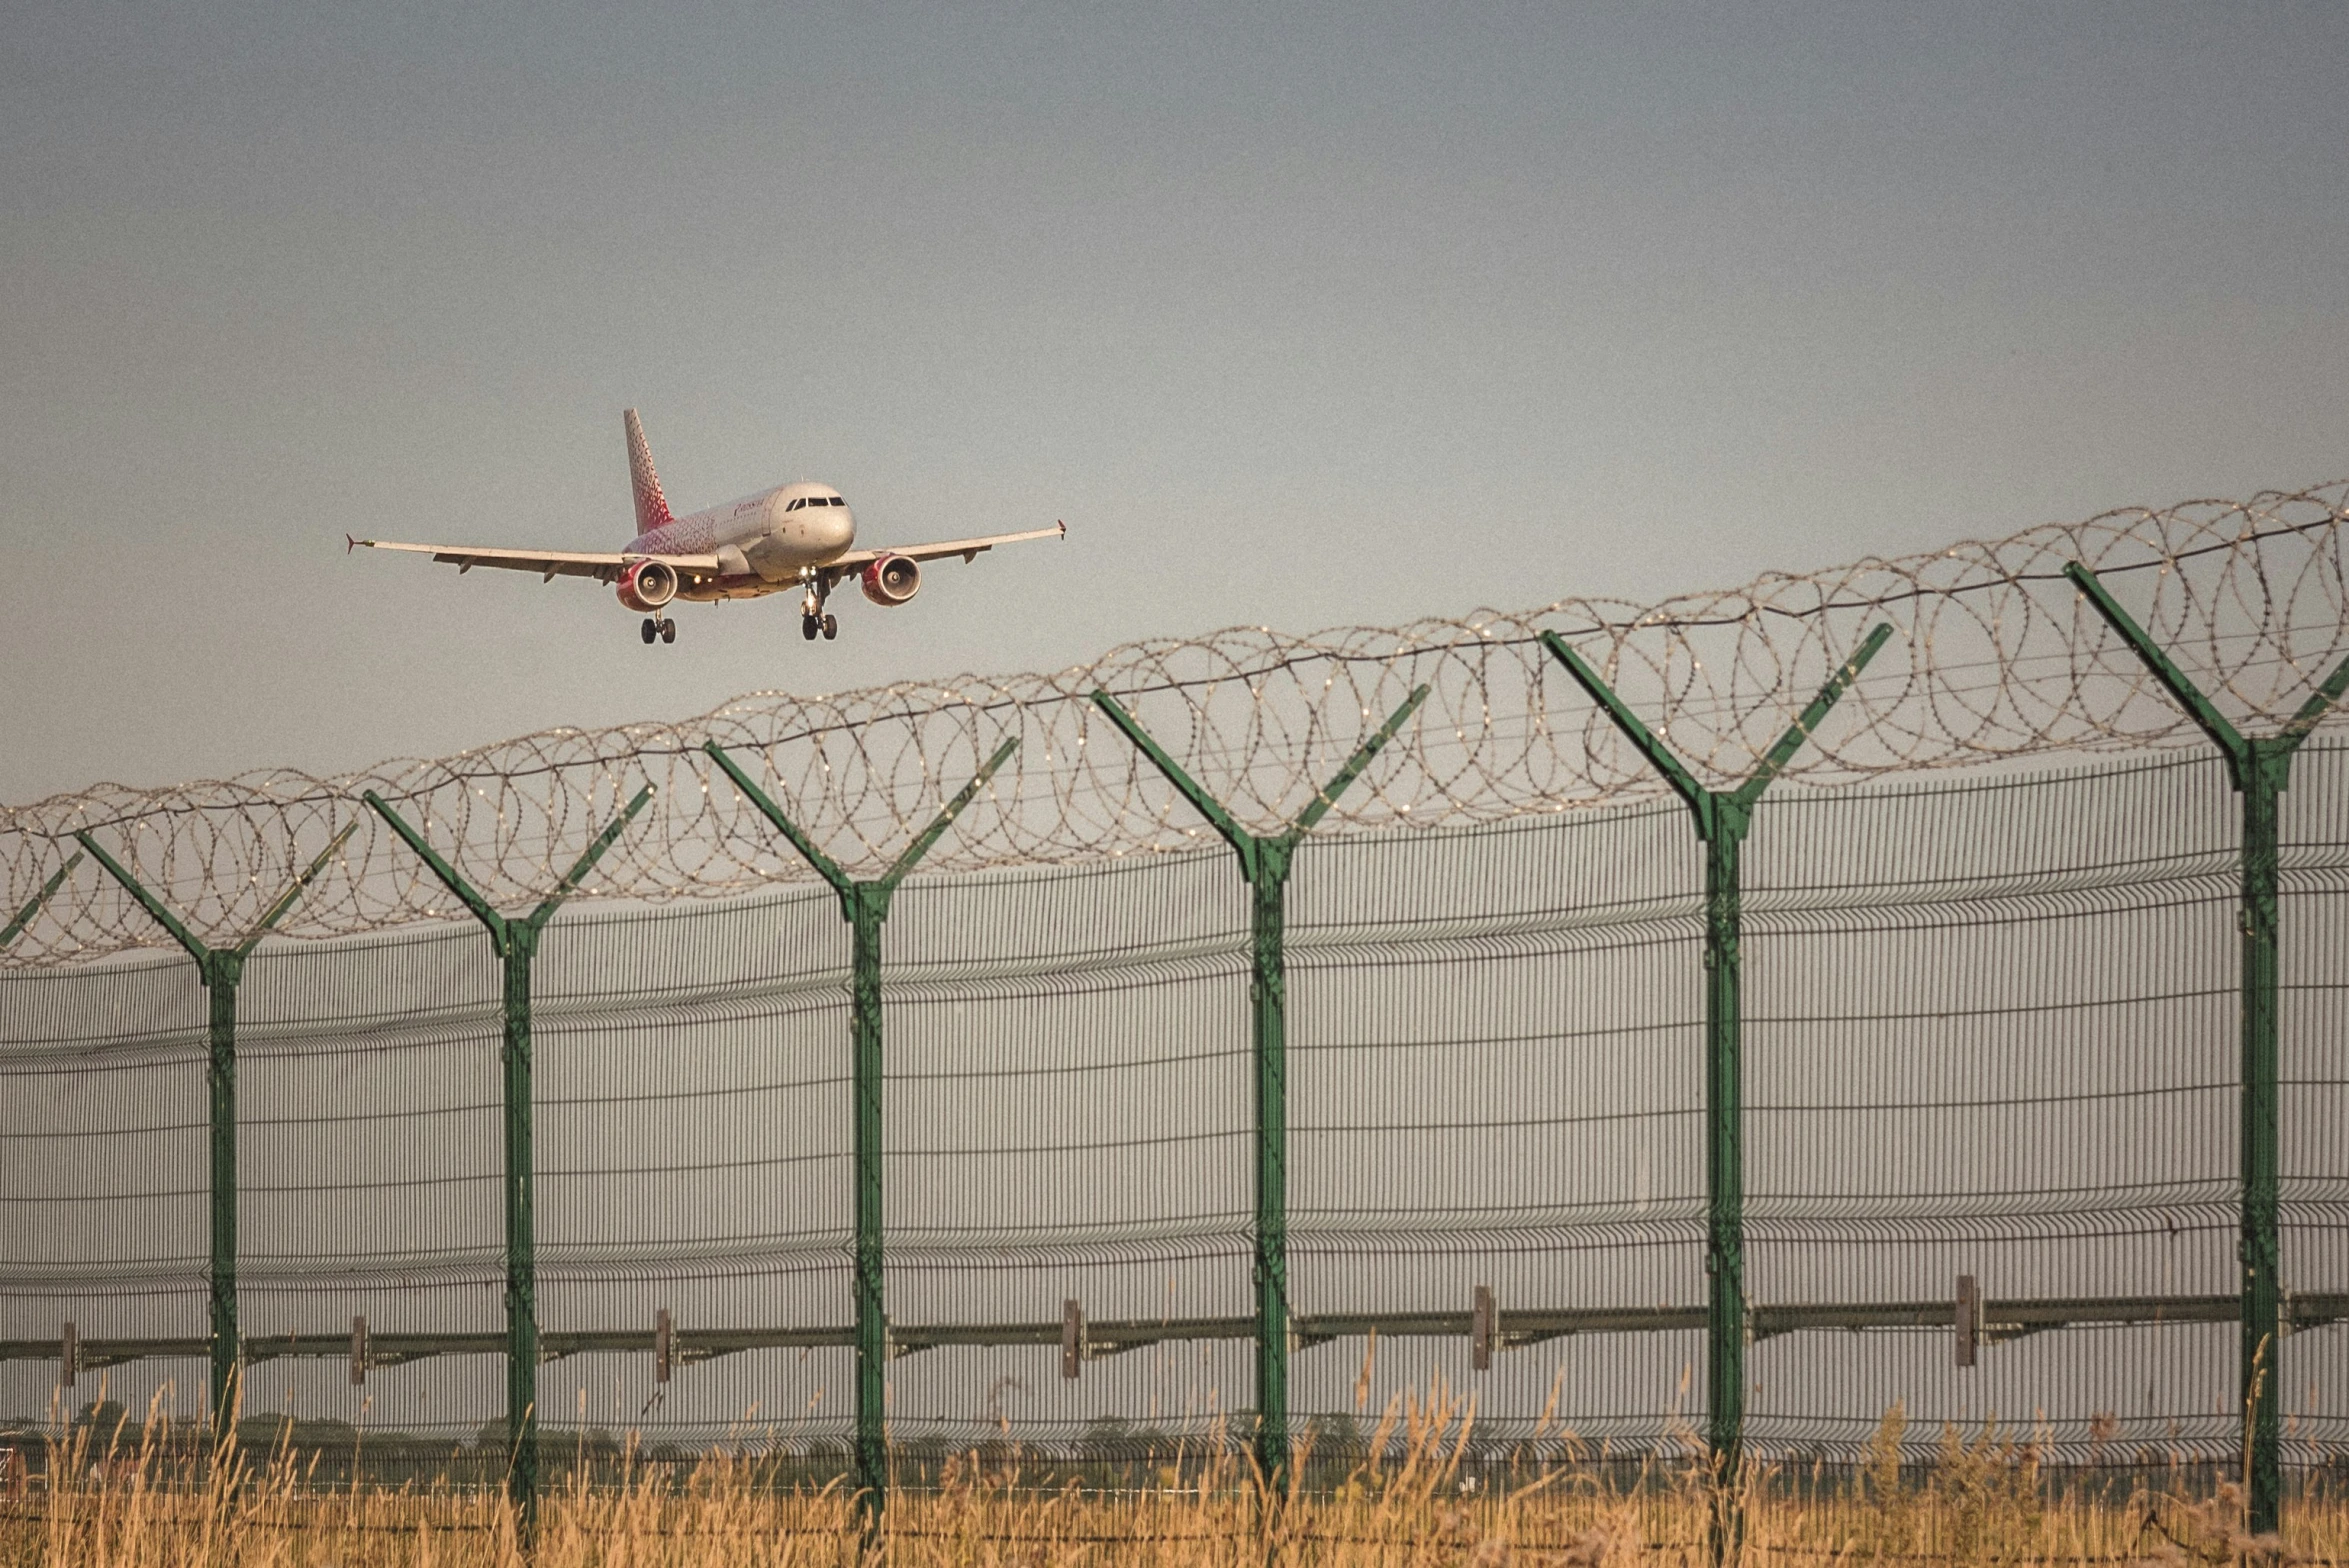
[(1299, 316)]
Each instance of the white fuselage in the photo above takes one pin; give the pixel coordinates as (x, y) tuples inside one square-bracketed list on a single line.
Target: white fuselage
[(765, 543)]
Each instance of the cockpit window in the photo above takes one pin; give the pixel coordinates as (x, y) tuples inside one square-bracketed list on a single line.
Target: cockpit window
[(796, 505), (838, 501)]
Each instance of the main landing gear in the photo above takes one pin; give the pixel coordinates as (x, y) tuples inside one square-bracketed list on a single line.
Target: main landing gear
[(664, 629)]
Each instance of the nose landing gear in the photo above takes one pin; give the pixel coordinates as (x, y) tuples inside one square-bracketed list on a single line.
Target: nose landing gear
[(664, 629), (812, 617)]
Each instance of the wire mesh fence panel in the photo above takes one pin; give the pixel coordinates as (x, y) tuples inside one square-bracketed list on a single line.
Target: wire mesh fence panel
[(1493, 1088), (1990, 1031), (1990, 1027), (103, 1185), (2312, 1367), (367, 1128), (692, 1136), (1068, 1121), (371, 1243)]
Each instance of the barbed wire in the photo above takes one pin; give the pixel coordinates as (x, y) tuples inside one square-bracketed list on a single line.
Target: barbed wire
[(1996, 656)]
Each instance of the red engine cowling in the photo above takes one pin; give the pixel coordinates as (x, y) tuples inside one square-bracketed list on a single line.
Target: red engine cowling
[(892, 579), (647, 585)]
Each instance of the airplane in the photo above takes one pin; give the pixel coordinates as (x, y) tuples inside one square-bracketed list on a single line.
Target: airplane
[(792, 536)]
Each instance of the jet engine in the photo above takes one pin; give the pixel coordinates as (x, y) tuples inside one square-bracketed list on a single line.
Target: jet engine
[(892, 579), (647, 585)]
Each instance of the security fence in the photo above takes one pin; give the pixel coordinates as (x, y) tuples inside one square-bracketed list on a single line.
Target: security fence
[(1731, 1104)]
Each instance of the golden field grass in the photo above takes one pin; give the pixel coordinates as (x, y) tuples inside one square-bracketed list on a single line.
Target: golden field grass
[(143, 1501)]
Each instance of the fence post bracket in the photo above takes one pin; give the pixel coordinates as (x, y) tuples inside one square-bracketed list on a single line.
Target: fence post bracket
[(1723, 819), (220, 970), (864, 905), (514, 942), (1265, 861), (2260, 769)]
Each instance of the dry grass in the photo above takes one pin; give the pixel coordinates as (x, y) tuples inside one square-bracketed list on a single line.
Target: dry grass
[(141, 1501)]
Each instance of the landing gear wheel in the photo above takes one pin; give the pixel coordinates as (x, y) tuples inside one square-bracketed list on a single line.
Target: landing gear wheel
[(650, 630), (668, 631), (809, 626), (831, 627)]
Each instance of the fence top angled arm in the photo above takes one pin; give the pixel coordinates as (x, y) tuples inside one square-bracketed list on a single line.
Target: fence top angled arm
[(1774, 763), (1205, 804), (147, 901), (447, 873), (2302, 722), (1683, 782), (293, 891), (826, 867), (24, 916), (2173, 680), (929, 836), (1318, 807), (586, 862)]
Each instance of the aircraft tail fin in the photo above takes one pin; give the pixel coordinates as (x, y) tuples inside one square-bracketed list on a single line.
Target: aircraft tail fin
[(652, 508)]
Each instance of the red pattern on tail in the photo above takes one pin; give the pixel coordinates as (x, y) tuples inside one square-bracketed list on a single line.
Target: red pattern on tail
[(652, 507)]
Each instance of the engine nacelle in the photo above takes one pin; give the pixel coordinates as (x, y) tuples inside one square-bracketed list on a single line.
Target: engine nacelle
[(891, 580), (647, 585)]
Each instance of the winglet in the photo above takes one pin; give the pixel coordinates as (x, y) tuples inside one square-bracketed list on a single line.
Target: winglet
[(652, 507), (349, 544), (1063, 528)]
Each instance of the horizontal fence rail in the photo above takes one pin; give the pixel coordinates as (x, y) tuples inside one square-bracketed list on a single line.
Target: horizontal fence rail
[(1998, 1320)]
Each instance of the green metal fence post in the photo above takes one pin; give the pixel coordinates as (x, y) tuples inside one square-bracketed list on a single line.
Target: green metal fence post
[(220, 969), (514, 939), (864, 904), (1265, 861), (24, 916), (868, 1277), (2260, 768), (1723, 818)]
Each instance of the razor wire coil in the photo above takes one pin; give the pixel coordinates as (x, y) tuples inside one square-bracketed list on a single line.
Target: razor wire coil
[(1996, 657)]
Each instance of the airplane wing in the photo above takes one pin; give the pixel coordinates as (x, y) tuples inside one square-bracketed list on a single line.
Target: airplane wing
[(968, 549), (549, 564)]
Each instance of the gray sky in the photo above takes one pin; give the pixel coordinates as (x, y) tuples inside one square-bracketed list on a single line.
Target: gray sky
[(1330, 315)]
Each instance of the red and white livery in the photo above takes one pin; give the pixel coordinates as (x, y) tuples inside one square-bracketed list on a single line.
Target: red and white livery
[(794, 537)]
